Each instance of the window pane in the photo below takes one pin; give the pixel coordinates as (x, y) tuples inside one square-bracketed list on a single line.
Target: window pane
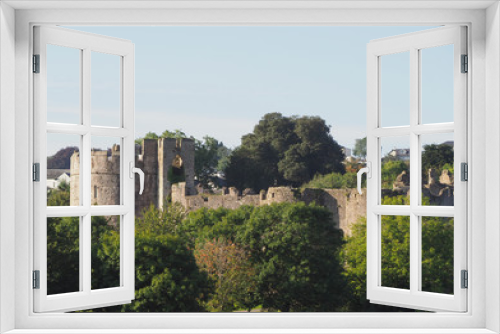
[(396, 251), (105, 252), (395, 170), (63, 84), (106, 172), (63, 164), (106, 76), (437, 169), (437, 84), (437, 254), (395, 89), (63, 255)]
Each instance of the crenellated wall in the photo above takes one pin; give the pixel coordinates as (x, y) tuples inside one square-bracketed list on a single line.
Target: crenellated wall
[(346, 205), (154, 157), (105, 177)]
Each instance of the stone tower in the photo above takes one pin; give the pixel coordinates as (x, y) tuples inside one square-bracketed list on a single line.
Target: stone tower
[(155, 157), (105, 177), (174, 153)]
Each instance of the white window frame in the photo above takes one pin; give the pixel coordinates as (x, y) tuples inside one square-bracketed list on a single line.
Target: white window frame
[(483, 314), (86, 44), (414, 43)]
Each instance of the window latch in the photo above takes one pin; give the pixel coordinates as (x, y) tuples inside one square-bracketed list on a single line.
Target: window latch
[(368, 171), (139, 171)]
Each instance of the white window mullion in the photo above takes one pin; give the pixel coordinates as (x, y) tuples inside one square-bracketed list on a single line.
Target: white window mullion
[(373, 155), (85, 175), (414, 171)]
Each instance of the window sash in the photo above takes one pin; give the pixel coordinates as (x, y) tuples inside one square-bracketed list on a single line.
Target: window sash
[(86, 297), (414, 297)]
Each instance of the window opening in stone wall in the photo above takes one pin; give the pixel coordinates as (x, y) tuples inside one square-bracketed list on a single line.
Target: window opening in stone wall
[(250, 139)]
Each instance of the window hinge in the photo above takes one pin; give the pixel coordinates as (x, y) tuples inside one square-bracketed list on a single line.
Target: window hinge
[(464, 171), (36, 172), (36, 63), (465, 279), (36, 279), (465, 64)]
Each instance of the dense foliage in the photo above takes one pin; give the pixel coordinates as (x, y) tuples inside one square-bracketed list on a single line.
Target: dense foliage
[(438, 157), (284, 151), (62, 158), (437, 257), (333, 181), (281, 257), (360, 148)]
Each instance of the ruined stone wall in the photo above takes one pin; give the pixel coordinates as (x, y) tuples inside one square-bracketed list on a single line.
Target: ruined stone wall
[(168, 150), (346, 205), (154, 157), (230, 200), (146, 158)]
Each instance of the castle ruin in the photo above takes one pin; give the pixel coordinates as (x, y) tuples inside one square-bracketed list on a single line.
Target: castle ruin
[(166, 158), (156, 157)]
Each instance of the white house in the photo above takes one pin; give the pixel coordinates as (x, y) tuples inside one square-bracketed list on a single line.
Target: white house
[(56, 176)]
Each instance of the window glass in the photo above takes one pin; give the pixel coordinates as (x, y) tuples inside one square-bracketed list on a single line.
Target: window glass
[(438, 169), (106, 89), (63, 177), (105, 252), (437, 254), (395, 89), (395, 251), (63, 84), (105, 171), (437, 84), (63, 255), (395, 170)]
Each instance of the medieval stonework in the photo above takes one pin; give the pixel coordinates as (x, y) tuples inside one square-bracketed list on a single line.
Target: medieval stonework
[(105, 177), (161, 159), (156, 157), (346, 205)]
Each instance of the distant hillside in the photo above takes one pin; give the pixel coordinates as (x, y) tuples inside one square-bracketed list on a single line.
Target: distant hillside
[(62, 159)]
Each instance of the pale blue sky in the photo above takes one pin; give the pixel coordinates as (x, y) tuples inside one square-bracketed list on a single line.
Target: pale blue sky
[(220, 81)]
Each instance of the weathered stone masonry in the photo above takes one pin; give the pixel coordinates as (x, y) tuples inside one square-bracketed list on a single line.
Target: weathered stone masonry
[(156, 156), (346, 205)]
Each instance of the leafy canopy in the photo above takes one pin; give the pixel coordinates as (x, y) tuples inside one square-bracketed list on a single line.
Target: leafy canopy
[(284, 151)]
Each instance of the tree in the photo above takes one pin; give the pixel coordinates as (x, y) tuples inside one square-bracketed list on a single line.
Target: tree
[(149, 135), (390, 171), (177, 134), (437, 257), (63, 255), (284, 151), (295, 248), (62, 158), (436, 156), (206, 160), (360, 148), (228, 266), (334, 181), (59, 196)]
